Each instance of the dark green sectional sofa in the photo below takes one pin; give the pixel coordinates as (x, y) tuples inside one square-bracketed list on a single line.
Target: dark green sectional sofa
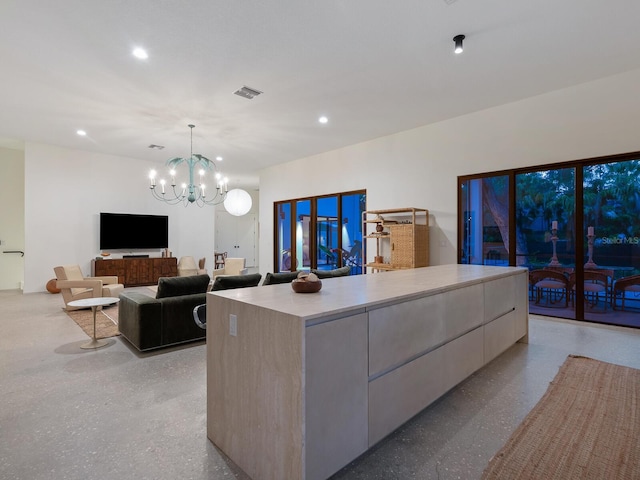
[(149, 323)]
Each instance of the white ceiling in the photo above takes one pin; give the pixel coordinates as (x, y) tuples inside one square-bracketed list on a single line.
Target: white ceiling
[(374, 67)]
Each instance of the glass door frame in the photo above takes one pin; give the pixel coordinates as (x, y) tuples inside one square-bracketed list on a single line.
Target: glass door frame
[(578, 166), (313, 229)]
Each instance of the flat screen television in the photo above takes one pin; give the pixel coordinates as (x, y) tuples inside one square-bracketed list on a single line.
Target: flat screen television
[(130, 231)]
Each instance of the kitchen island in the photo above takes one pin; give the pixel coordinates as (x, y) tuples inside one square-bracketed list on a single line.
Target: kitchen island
[(299, 385)]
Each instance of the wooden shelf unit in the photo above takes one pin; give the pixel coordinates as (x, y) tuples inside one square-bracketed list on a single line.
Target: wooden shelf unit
[(133, 272), (405, 237)]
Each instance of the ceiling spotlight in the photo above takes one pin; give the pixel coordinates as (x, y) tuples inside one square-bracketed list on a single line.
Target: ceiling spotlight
[(140, 53), (458, 41), (82, 133), (219, 158), (323, 119)]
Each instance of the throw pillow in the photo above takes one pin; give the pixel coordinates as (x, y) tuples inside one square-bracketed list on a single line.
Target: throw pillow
[(338, 272), (236, 281), (281, 277)]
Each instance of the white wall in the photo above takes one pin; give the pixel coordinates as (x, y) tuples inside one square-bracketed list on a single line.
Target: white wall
[(65, 191), (11, 218), (419, 167), (243, 225)]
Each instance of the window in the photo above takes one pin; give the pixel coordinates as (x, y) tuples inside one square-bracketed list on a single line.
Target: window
[(580, 220), (319, 232)]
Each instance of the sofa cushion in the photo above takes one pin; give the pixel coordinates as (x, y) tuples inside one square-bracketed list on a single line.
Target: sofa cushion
[(176, 286), (282, 277), (338, 272), (236, 281), (139, 320)]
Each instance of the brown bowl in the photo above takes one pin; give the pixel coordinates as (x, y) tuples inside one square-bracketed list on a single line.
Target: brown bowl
[(300, 286)]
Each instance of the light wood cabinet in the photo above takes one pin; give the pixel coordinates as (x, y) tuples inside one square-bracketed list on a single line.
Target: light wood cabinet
[(401, 238), (307, 383)]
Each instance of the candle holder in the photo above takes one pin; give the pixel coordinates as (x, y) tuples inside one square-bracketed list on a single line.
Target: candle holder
[(554, 258), (590, 263)]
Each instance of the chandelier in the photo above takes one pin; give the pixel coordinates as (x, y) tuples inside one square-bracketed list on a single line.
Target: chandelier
[(190, 192)]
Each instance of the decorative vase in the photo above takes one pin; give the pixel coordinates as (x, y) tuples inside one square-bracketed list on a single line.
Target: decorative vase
[(52, 286)]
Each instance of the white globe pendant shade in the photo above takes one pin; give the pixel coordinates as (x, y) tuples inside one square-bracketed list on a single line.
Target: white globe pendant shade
[(238, 202)]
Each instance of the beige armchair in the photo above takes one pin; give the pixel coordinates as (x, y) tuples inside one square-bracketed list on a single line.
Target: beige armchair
[(232, 266), (74, 286), (187, 267)]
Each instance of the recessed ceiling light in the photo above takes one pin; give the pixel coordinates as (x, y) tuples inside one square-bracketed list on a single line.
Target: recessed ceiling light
[(140, 53), (323, 119), (82, 133), (219, 158)]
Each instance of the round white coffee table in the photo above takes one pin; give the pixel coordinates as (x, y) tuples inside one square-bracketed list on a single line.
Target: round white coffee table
[(94, 303)]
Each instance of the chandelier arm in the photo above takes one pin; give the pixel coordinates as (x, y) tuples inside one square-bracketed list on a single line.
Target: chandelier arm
[(162, 197)]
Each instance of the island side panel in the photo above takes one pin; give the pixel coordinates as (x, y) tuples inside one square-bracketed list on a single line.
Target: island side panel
[(336, 413), (254, 388), (522, 302)]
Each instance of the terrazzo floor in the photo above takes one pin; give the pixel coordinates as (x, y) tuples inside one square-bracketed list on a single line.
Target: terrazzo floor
[(113, 413)]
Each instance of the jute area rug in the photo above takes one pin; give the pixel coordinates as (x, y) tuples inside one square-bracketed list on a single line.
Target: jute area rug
[(586, 426), (106, 321)]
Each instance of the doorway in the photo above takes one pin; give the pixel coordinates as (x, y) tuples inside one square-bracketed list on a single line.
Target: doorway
[(237, 236)]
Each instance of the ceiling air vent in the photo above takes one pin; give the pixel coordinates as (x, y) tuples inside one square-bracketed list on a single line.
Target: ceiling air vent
[(157, 147), (247, 92)]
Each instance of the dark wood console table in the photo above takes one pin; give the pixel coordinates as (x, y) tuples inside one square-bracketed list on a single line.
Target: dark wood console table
[(133, 272)]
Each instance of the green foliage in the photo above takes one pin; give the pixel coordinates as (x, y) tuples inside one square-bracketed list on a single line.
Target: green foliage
[(611, 199)]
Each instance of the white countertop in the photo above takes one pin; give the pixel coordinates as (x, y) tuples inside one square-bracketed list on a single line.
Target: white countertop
[(361, 292)]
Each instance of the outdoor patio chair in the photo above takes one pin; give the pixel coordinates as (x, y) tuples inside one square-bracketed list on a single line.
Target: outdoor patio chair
[(624, 286), (595, 283), (550, 284)]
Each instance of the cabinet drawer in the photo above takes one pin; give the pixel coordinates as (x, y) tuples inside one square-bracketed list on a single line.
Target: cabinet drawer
[(399, 395), (398, 333), (499, 297), (499, 335)]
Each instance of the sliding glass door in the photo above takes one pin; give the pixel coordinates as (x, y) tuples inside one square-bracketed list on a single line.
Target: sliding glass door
[(611, 241), (546, 238), (351, 213), (575, 226), (484, 222), (284, 252), (303, 235), (327, 228), (319, 232)]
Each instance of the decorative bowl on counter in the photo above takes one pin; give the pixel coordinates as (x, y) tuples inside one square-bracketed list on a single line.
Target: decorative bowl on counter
[(306, 283)]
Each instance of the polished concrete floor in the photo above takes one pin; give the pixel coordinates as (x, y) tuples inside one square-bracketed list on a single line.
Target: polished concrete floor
[(67, 413)]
